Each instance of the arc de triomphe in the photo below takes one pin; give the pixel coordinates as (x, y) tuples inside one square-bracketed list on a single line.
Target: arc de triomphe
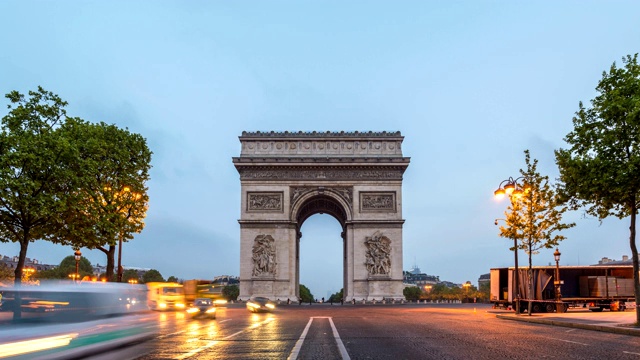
[(286, 177)]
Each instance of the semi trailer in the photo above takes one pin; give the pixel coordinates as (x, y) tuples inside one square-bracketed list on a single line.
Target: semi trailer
[(596, 287)]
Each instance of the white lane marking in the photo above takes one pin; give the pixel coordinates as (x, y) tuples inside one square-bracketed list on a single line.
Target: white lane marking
[(214, 342), (343, 350), (632, 353), (569, 341), (296, 348)]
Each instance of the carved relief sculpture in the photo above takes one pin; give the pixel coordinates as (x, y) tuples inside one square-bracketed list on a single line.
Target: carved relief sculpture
[(264, 256), (383, 201), (264, 201), (378, 255)]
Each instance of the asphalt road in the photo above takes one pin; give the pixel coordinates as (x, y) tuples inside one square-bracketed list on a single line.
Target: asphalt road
[(427, 331)]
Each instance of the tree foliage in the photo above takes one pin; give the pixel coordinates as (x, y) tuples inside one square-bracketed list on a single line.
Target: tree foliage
[(305, 294), (231, 292), (412, 293), (600, 171), (535, 216), (66, 268), (34, 169), (109, 197), (336, 297), (152, 276)]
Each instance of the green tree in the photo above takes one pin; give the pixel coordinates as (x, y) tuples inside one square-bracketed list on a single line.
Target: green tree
[(151, 276), (109, 200), (412, 293), (66, 268), (172, 279), (305, 294), (34, 169), (337, 297), (6, 275), (484, 292), (535, 216), (600, 170), (231, 292), (130, 274)]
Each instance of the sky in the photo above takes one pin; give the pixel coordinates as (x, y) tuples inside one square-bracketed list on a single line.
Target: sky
[(470, 85)]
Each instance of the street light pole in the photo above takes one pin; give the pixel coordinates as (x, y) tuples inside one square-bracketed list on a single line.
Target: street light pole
[(511, 187), (119, 278), (557, 283), (77, 255)]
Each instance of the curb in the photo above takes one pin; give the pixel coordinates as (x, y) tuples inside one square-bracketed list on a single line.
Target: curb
[(633, 331)]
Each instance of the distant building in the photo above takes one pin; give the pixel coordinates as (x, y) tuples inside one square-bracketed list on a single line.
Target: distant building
[(225, 280), (625, 261), (12, 263), (484, 279), (415, 277)]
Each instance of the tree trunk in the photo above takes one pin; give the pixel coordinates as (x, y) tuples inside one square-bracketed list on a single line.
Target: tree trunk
[(17, 281), (110, 253), (634, 256)]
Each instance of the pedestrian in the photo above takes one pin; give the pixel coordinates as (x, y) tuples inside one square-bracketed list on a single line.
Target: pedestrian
[(288, 301)]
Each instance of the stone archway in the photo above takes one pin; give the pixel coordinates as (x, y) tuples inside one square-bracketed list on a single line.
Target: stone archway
[(288, 177)]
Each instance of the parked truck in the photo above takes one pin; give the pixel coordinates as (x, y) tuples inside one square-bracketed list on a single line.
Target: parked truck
[(194, 289), (165, 296), (595, 287)]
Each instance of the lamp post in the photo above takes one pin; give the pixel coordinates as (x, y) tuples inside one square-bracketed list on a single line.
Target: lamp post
[(466, 289), (511, 187), (557, 283), (77, 255)]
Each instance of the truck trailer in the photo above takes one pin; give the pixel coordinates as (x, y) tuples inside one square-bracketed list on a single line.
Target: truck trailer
[(596, 287), (165, 296)]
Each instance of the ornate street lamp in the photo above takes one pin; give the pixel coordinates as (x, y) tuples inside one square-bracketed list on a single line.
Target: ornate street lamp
[(557, 283), (77, 255), (513, 189)]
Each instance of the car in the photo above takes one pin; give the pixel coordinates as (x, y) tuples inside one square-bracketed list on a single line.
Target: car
[(202, 307), (260, 304)]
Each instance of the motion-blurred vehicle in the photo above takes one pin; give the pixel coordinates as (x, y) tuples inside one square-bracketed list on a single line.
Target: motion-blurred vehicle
[(72, 321), (260, 304), (202, 307), (165, 296), (194, 289)]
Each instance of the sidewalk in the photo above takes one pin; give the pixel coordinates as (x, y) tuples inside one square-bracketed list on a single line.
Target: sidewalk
[(618, 322)]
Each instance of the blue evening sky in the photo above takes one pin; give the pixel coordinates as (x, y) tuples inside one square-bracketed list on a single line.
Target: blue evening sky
[(470, 84)]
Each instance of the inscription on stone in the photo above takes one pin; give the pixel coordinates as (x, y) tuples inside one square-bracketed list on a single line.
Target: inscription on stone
[(378, 201), (264, 201)]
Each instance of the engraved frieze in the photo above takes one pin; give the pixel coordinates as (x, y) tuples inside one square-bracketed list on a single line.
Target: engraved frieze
[(256, 173), (264, 201), (378, 201)]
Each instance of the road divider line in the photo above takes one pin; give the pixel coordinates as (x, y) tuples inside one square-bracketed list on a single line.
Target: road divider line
[(296, 348), (631, 353), (343, 350)]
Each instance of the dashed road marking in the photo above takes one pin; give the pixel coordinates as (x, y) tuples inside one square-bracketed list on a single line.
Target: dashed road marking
[(631, 353)]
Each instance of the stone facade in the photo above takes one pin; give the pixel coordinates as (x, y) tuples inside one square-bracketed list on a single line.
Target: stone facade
[(288, 177)]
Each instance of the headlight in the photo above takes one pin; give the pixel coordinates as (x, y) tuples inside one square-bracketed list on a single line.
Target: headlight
[(270, 306), (253, 305), (211, 311), (180, 305), (192, 310), (220, 302), (162, 305)]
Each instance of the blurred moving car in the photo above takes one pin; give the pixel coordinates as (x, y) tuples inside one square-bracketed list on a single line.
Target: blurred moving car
[(72, 321), (260, 304), (202, 307)]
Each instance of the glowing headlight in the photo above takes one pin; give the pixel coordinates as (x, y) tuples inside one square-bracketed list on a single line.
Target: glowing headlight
[(180, 305), (220, 302), (253, 305), (270, 306), (192, 310), (162, 305), (211, 311)]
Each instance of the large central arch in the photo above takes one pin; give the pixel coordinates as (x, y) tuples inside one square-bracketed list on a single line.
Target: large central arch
[(288, 177)]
